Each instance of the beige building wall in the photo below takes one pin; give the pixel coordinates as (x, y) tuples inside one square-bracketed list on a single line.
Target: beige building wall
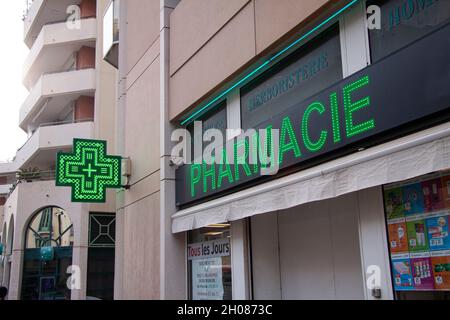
[(203, 32), (105, 102), (23, 203), (168, 61), (137, 250), (150, 261)]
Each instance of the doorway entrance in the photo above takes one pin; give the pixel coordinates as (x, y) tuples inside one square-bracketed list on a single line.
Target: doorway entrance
[(47, 256), (310, 251), (46, 280)]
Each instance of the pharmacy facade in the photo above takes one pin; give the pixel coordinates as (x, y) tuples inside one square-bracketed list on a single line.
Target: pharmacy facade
[(361, 195)]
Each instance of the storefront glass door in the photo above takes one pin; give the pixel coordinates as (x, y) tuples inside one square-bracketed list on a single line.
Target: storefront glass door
[(46, 280), (47, 256)]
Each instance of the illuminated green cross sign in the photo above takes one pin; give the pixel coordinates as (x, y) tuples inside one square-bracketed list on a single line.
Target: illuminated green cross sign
[(88, 170)]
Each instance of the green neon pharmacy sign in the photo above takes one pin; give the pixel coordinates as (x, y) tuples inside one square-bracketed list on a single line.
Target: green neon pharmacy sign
[(402, 93), (309, 138), (88, 170)]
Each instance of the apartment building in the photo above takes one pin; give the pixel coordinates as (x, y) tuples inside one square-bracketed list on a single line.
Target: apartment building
[(71, 95), (358, 208)]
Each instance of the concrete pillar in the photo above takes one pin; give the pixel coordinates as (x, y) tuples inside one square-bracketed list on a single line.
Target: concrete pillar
[(14, 282), (79, 258), (172, 256)]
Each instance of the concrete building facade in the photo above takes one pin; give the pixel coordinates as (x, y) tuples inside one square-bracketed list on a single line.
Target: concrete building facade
[(72, 95), (314, 231)]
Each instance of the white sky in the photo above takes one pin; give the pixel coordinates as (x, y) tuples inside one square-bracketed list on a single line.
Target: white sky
[(12, 56)]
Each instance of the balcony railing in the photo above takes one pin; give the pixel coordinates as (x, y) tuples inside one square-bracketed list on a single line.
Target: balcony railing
[(55, 91), (54, 50), (59, 123), (35, 175), (30, 176), (56, 123)]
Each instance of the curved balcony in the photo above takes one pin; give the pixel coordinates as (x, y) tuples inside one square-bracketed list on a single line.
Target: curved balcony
[(5, 188), (42, 12), (41, 148), (52, 93), (7, 168), (55, 46)]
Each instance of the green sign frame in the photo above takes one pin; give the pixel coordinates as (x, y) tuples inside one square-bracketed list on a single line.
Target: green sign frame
[(89, 171)]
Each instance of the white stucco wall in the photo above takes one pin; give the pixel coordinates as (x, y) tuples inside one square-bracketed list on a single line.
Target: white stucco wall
[(24, 202)]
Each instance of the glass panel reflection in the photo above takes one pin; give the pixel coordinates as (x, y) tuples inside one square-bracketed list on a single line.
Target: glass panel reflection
[(50, 227)]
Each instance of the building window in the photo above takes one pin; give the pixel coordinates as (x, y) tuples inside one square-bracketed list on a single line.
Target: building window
[(215, 119), (209, 263), (50, 227), (312, 68), (417, 213), (111, 34), (405, 21), (101, 256), (102, 230), (46, 279)]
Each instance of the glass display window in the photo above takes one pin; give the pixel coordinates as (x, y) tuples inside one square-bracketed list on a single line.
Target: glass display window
[(417, 215), (403, 22), (209, 263)]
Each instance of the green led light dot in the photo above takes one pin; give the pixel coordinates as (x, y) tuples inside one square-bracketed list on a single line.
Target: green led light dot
[(195, 176), (310, 145), (287, 129), (335, 118), (241, 159), (225, 170), (351, 107), (255, 146), (268, 149), (209, 172)]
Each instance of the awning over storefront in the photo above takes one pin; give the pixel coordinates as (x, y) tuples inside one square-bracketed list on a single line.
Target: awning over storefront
[(397, 160)]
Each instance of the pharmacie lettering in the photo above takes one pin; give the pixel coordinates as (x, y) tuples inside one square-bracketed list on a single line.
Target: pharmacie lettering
[(296, 139)]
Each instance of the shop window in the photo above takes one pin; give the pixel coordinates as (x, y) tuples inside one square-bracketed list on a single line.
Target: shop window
[(418, 214), (101, 256), (46, 279), (304, 73), (405, 21), (209, 263)]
